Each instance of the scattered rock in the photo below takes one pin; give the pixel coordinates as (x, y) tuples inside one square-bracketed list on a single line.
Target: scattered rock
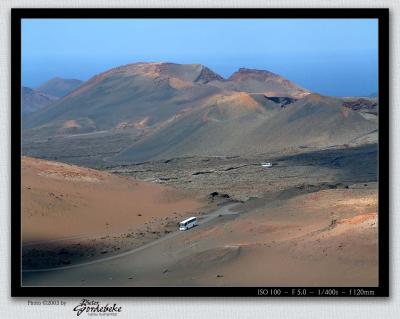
[(215, 195), (201, 173), (333, 223)]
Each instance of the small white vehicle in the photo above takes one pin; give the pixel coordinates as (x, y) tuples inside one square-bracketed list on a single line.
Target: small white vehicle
[(188, 223), (266, 164)]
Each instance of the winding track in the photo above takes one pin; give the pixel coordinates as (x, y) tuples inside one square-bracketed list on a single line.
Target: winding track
[(222, 211)]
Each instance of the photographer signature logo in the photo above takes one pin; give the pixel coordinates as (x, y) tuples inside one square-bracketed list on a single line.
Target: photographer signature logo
[(95, 308)]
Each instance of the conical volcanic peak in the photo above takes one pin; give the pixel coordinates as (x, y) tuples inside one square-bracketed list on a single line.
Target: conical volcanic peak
[(244, 74), (262, 82), (59, 87)]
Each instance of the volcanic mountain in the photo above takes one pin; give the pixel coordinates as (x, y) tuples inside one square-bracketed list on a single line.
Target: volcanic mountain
[(59, 87), (145, 111), (264, 82), (228, 129), (33, 100), (129, 95)]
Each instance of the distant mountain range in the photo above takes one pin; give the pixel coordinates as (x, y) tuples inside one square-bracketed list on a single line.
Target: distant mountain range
[(59, 87), (146, 111), (34, 99)]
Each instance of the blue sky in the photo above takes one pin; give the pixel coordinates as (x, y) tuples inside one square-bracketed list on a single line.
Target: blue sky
[(328, 56)]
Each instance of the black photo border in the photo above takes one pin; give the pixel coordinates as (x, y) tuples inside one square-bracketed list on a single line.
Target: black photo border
[(17, 290)]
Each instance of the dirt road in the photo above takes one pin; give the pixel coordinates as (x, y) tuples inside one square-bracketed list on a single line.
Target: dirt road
[(224, 210)]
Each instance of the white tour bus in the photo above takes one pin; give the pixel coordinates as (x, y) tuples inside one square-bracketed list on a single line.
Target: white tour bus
[(266, 164), (188, 223)]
